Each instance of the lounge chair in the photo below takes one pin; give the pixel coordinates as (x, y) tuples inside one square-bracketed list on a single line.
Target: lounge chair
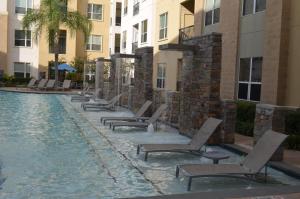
[(144, 122), (85, 96), (193, 147), (100, 106), (254, 162), (31, 83), (50, 84), (66, 85), (136, 117), (42, 83)]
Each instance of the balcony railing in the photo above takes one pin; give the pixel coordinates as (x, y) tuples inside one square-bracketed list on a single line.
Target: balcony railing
[(186, 33), (134, 46), (136, 8)]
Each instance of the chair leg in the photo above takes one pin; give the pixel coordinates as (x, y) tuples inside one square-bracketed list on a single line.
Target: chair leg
[(138, 149), (177, 171), (146, 156), (189, 184)]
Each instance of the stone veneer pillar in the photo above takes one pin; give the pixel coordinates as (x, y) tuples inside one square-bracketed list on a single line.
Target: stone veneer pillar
[(200, 92), (229, 109), (271, 117), (143, 89), (99, 79)]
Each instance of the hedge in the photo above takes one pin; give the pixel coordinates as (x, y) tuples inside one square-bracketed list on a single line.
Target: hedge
[(245, 117), (292, 128)]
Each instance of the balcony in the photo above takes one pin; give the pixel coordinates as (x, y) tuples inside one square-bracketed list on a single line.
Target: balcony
[(186, 33), (118, 21), (136, 8), (134, 46)]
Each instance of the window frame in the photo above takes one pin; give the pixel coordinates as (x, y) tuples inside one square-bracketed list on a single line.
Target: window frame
[(144, 34), (165, 28), (92, 13), (25, 39), (91, 44), (162, 77), (253, 9), (25, 64), (26, 8), (212, 13), (249, 82), (124, 39)]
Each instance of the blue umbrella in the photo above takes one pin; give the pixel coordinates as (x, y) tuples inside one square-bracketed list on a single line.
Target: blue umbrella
[(66, 67)]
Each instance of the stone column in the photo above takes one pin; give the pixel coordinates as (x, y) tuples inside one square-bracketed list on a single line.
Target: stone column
[(143, 70), (271, 117), (99, 79), (229, 121)]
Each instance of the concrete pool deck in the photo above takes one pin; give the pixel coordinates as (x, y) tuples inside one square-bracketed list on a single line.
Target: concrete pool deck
[(156, 172), (28, 90)]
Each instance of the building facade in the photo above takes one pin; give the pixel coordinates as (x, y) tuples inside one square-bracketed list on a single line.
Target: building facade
[(26, 57), (259, 49), (115, 26)]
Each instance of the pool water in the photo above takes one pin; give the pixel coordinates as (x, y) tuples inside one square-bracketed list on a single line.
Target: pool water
[(50, 149)]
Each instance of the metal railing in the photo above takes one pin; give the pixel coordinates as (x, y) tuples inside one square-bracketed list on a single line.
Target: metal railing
[(186, 33), (118, 21), (136, 8)]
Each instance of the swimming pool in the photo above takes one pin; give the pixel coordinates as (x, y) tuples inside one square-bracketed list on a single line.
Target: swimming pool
[(49, 149)]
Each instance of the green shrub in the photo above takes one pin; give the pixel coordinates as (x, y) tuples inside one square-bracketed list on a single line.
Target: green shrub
[(245, 118), (292, 128)]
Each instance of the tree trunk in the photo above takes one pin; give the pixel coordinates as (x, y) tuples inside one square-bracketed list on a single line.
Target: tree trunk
[(56, 54)]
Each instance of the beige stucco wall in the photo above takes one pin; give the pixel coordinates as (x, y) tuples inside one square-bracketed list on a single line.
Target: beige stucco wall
[(293, 74), (3, 42), (76, 43)]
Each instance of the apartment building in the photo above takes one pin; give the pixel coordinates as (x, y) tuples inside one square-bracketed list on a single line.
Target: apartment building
[(137, 23), (115, 26), (259, 49), (26, 57)]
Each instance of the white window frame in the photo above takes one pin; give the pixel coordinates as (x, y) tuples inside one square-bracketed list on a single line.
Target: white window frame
[(213, 13), (249, 83), (25, 68), (26, 8), (253, 10), (90, 45), (92, 12), (143, 34), (25, 39), (162, 76), (165, 27)]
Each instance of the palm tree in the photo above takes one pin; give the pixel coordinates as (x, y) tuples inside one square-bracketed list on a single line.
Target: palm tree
[(51, 16)]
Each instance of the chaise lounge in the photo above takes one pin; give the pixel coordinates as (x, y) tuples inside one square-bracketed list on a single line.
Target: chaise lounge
[(254, 162), (144, 122), (193, 147), (100, 106), (136, 117)]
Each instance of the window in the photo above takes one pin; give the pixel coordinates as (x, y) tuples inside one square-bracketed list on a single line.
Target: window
[(118, 14), (136, 7), (21, 70), (125, 7), (250, 78), (163, 29), (62, 43), (253, 6), (117, 43), (144, 31), (124, 39), (94, 42), (95, 12), (23, 38), (22, 6), (161, 76), (212, 12)]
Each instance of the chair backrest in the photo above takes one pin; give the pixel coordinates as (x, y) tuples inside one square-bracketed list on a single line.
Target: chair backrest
[(114, 100), (51, 83), (31, 83), (205, 132), (143, 109), (42, 83), (263, 150), (66, 84), (158, 113)]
